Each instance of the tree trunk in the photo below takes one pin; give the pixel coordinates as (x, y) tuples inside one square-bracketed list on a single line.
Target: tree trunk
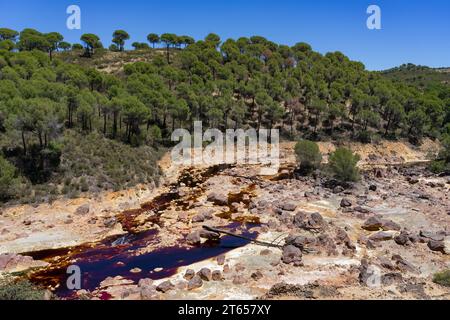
[(24, 143)]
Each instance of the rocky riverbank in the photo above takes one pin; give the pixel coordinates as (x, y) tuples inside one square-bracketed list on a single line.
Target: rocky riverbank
[(383, 237)]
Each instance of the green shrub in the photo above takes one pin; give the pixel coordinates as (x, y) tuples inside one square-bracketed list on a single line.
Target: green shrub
[(437, 166), (8, 179), (11, 289), (308, 155), (343, 163), (442, 278)]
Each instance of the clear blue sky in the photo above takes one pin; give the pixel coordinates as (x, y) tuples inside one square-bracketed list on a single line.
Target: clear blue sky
[(412, 31)]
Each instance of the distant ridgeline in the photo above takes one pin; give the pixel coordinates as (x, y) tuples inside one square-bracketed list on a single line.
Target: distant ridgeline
[(56, 98)]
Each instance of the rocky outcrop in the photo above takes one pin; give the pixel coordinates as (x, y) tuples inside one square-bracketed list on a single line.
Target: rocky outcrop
[(292, 254)]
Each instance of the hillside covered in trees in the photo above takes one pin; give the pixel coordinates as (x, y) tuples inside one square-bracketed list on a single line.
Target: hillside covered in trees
[(68, 125)]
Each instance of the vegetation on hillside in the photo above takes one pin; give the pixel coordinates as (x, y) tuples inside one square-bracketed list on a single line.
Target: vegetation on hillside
[(56, 108), (19, 289)]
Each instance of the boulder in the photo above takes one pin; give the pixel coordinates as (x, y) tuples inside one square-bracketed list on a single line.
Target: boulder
[(193, 238), (346, 203), (205, 274), (216, 275), (309, 221), (381, 236), (209, 235), (198, 218), (110, 222), (403, 264), (257, 275), (218, 199), (436, 236), (147, 293), (239, 279), (220, 260), (145, 283), (11, 262), (189, 274), (165, 286), (289, 206), (390, 225), (373, 187), (195, 283), (402, 239), (436, 246), (83, 210), (373, 224), (292, 254)]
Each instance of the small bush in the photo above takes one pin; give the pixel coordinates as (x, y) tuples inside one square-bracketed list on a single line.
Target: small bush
[(437, 166), (442, 278), (8, 179), (11, 289), (343, 163), (308, 155)]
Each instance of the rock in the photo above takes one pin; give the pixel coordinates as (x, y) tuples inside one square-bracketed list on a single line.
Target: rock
[(265, 252), (193, 238), (345, 203), (205, 274), (299, 241), (412, 180), (403, 264), (292, 254), (364, 272), (239, 279), (165, 286), (390, 225), (436, 236), (11, 262), (145, 283), (110, 222), (209, 235), (218, 199), (309, 221), (361, 210), (381, 236), (220, 260), (373, 187), (391, 278), (289, 206), (257, 275), (136, 270), (195, 283), (386, 263), (436, 246), (216, 275), (373, 224), (68, 221), (338, 189), (342, 237), (189, 274), (115, 282), (147, 293), (27, 222), (83, 210), (198, 218), (402, 239)]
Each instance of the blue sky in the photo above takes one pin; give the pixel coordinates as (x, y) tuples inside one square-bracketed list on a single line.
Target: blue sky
[(412, 31)]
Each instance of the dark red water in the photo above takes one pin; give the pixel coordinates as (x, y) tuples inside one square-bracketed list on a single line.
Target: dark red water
[(116, 257)]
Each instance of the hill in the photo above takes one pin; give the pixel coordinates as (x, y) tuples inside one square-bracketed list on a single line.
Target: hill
[(54, 96)]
